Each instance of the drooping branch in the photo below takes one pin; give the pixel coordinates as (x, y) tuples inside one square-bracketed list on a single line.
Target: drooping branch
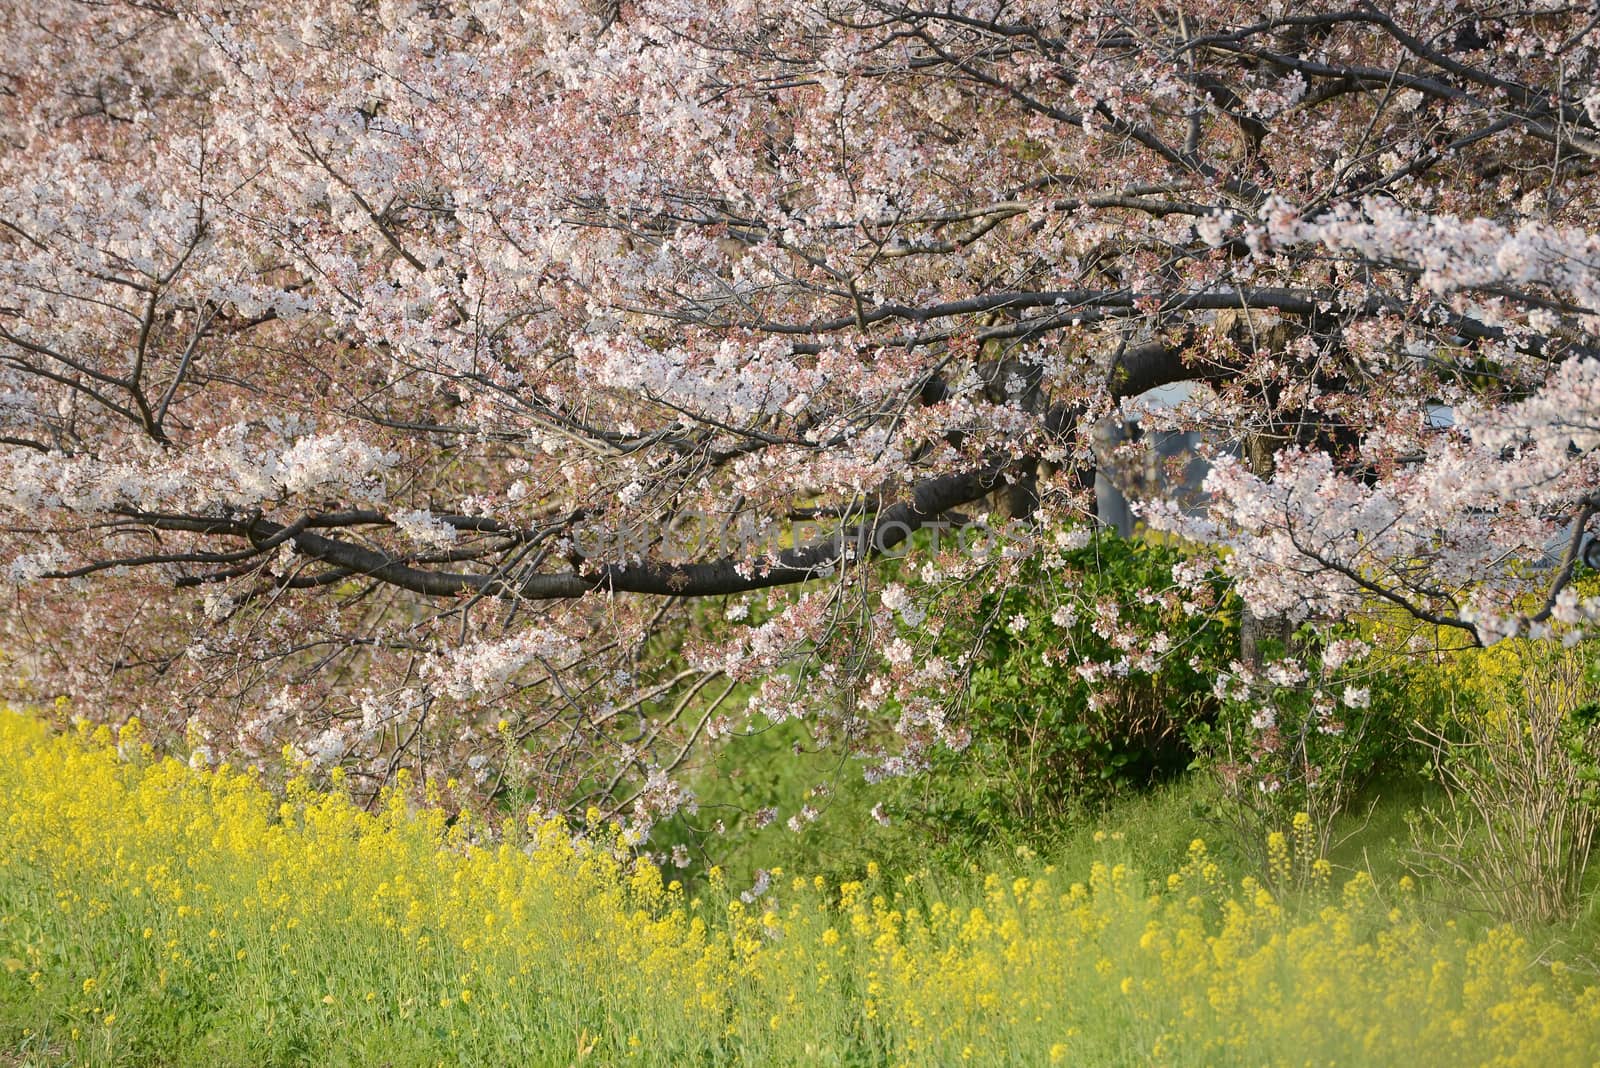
[(926, 506)]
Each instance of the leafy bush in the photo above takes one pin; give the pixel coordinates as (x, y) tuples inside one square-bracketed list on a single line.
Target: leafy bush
[(1088, 676), (1303, 731)]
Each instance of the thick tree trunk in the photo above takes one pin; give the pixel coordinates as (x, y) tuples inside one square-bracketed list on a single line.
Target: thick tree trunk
[(1260, 634)]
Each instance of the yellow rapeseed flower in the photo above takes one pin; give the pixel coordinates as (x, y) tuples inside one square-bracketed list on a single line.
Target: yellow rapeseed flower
[(533, 919)]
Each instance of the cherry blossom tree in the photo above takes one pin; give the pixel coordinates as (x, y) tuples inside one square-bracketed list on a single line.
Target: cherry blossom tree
[(396, 382)]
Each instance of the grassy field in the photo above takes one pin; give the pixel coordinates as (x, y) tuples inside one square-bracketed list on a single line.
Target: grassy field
[(154, 914)]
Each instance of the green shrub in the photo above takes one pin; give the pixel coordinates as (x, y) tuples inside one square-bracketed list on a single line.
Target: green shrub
[(1088, 677), (1304, 731)]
